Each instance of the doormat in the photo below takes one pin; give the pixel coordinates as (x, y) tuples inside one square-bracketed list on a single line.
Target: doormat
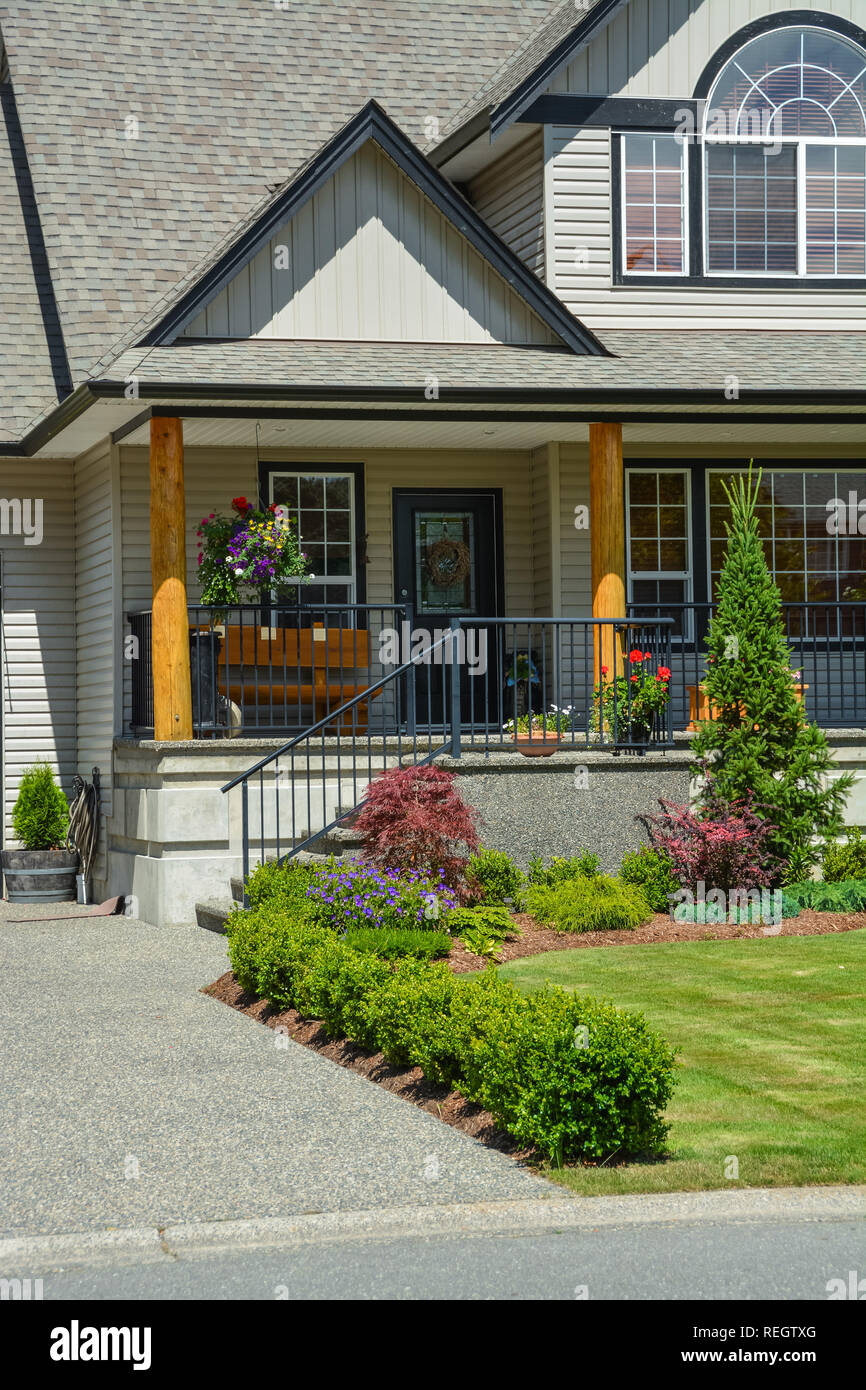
[(109, 908)]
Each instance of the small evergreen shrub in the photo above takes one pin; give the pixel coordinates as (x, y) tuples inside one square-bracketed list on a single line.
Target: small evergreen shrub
[(287, 882), (577, 1079), (589, 904), (416, 821), (559, 870), (845, 858), (40, 816), (650, 869), (493, 877), (426, 945)]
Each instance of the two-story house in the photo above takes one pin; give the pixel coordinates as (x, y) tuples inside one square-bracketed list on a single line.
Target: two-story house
[(490, 299)]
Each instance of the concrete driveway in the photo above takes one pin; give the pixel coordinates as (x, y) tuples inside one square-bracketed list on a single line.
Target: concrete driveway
[(131, 1100)]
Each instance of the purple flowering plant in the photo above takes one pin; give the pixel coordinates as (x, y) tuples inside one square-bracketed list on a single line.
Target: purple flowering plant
[(253, 549), (347, 894)]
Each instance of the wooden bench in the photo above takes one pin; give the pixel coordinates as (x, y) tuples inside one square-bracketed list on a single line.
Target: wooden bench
[(285, 667), (700, 707)]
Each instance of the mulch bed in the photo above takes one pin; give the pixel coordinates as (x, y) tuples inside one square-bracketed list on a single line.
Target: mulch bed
[(535, 939), (406, 1082)]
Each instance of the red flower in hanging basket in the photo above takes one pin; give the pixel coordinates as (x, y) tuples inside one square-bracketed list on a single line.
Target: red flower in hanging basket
[(635, 656), (240, 504)]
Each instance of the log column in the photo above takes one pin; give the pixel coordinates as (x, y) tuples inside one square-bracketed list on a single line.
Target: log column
[(607, 538), (172, 698)]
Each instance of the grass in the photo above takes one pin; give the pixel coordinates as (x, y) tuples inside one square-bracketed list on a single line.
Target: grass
[(772, 1056)]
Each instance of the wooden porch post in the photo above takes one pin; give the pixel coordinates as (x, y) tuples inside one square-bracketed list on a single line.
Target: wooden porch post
[(607, 537), (172, 698)]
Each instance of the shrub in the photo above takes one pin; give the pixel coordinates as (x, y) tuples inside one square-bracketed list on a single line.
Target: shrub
[(415, 820), (766, 910), (391, 944), (589, 904), (583, 865), (493, 877), (759, 740), (650, 869), (348, 894), (729, 848), (481, 929), (849, 895), (287, 882), (40, 816), (574, 1078), (845, 858)]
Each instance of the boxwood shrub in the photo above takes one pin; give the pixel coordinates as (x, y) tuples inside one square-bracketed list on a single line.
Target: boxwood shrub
[(651, 870), (577, 1079)]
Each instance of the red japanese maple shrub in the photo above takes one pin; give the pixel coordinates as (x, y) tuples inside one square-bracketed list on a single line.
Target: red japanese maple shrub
[(726, 846), (416, 821)]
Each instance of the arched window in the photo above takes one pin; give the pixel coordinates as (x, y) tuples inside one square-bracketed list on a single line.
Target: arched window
[(785, 157)]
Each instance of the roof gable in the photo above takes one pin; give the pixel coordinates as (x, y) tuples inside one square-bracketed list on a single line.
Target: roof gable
[(371, 212)]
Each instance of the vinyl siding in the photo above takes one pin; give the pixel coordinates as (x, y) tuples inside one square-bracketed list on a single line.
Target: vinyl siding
[(576, 569), (580, 263), (659, 48), (95, 637), (509, 194), (38, 631), (369, 257)]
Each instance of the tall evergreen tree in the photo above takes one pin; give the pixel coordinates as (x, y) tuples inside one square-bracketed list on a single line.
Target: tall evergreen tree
[(759, 740)]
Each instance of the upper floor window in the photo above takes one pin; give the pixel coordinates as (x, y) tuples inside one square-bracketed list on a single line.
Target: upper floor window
[(654, 204), (785, 158)]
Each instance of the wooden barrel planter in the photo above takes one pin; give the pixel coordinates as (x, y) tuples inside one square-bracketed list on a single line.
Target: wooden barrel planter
[(39, 875)]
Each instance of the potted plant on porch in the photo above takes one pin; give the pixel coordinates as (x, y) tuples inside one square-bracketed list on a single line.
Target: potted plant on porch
[(539, 735), (255, 552), (628, 706), (42, 870)]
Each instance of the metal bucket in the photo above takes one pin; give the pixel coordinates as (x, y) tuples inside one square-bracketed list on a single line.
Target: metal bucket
[(39, 875)]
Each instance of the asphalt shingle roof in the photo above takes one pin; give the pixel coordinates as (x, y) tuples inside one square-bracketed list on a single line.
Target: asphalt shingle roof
[(153, 129), (684, 360)]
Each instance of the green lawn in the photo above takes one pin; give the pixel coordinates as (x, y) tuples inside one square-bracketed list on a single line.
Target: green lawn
[(772, 1039)]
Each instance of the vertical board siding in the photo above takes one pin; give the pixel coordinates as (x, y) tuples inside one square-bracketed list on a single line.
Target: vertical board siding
[(509, 194), (38, 631), (659, 48), (542, 592), (370, 257), (576, 568), (96, 656)]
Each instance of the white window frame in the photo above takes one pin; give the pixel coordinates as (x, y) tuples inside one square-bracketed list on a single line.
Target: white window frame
[(684, 204), (800, 141), (686, 575), (349, 581)]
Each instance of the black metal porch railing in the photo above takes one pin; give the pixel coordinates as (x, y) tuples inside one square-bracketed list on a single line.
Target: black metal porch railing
[(268, 668), (828, 646), (302, 790)]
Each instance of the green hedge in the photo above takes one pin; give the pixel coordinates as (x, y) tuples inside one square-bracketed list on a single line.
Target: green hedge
[(576, 1079)]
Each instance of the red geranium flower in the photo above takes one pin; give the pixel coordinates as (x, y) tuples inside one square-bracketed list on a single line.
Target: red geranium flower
[(664, 673), (604, 670), (240, 504), (634, 678), (635, 656), (647, 656)]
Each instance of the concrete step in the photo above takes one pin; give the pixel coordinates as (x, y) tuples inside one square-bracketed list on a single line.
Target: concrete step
[(213, 915)]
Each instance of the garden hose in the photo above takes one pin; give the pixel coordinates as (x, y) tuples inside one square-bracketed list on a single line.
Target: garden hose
[(83, 830)]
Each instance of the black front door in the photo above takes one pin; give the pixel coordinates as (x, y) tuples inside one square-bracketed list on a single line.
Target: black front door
[(448, 563)]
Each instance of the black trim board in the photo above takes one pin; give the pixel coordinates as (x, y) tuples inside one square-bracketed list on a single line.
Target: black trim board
[(637, 113), (372, 123)]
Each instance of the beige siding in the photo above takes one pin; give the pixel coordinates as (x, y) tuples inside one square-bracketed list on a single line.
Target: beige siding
[(580, 268), (38, 630), (369, 257), (574, 492), (659, 48), (509, 194)]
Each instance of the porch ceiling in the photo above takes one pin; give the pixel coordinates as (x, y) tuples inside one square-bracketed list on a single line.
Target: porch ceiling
[(494, 434)]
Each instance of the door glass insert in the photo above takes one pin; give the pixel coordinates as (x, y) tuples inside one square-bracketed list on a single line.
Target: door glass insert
[(445, 562)]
